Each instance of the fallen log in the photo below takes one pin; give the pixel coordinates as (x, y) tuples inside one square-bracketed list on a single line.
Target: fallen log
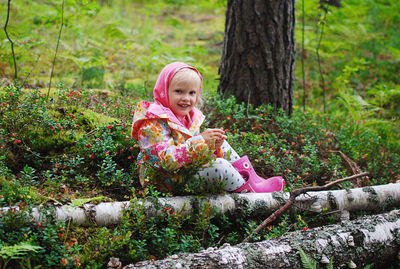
[(353, 244), (378, 198)]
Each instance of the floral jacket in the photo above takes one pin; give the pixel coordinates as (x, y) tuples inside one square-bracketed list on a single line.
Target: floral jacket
[(164, 143)]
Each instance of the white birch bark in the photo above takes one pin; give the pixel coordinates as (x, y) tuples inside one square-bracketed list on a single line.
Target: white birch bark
[(353, 244), (377, 198)]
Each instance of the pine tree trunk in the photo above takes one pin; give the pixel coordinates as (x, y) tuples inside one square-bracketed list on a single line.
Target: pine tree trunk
[(258, 56), (353, 244)]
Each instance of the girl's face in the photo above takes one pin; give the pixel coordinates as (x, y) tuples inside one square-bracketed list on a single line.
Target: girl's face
[(183, 92)]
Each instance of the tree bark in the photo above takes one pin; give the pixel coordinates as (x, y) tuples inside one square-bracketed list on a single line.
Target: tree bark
[(258, 54), (353, 244), (260, 205)]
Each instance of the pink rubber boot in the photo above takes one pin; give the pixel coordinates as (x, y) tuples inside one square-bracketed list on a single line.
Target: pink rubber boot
[(254, 182)]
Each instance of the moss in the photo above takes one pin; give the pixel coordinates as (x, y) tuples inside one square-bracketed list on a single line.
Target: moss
[(254, 257), (240, 202), (340, 240), (93, 119), (311, 248), (372, 197), (358, 237), (397, 236), (44, 142), (53, 91), (88, 119), (392, 216), (388, 203), (329, 250), (279, 196), (259, 207), (49, 131), (65, 140)]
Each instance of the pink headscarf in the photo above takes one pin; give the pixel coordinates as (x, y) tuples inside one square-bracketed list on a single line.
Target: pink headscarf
[(160, 92)]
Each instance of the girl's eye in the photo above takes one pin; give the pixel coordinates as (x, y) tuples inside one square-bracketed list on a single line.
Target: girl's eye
[(192, 92), (178, 91)]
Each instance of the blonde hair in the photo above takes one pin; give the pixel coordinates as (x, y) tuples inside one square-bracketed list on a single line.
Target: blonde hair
[(186, 73)]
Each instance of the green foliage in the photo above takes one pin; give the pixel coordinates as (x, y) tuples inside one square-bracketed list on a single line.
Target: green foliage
[(92, 54), (308, 263), (182, 180), (292, 147), (12, 192), (297, 147), (17, 252), (75, 146), (142, 236), (26, 243)]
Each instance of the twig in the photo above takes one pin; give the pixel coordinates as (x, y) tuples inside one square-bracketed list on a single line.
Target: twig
[(353, 166), (292, 197), (302, 59), (12, 43), (319, 39), (58, 43)]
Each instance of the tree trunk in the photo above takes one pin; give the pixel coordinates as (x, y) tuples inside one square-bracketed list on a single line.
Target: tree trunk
[(377, 198), (258, 55), (353, 244)]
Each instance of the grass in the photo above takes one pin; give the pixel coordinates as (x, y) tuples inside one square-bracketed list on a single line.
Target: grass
[(124, 49)]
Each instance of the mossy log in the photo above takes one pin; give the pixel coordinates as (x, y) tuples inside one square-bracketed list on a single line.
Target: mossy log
[(352, 244), (376, 198)]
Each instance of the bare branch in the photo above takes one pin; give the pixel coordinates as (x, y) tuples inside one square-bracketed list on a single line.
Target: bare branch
[(12, 43), (319, 39), (303, 56), (58, 43), (354, 168)]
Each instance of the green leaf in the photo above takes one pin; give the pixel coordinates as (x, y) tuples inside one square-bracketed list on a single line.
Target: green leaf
[(330, 264), (308, 263), (17, 251)]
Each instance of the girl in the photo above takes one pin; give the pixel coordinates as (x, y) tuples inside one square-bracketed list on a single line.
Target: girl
[(168, 131)]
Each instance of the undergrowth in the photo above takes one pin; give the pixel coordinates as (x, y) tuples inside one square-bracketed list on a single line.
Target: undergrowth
[(93, 156)]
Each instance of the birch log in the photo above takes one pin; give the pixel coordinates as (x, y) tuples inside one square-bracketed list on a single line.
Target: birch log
[(353, 244), (376, 198)]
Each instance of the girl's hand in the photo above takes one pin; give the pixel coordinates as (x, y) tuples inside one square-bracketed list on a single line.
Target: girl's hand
[(219, 142), (214, 137)]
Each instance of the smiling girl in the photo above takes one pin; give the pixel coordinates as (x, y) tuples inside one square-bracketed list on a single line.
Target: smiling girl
[(168, 131)]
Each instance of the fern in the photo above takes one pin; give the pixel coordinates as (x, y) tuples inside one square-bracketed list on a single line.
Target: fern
[(307, 262), (17, 251), (330, 264)]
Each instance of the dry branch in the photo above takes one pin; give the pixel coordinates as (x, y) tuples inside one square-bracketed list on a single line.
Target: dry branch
[(293, 195), (354, 168)]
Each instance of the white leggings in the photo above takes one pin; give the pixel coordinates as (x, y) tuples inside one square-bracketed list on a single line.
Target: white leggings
[(221, 169)]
